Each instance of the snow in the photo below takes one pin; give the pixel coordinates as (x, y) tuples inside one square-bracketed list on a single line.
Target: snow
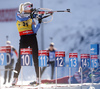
[(71, 32), (55, 86)]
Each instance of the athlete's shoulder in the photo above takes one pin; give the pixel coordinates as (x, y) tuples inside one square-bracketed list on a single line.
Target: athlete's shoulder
[(18, 16), (54, 50), (22, 17), (12, 48)]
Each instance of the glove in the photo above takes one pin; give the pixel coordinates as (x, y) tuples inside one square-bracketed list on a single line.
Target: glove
[(40, 20), (51, 13), (31, 15)]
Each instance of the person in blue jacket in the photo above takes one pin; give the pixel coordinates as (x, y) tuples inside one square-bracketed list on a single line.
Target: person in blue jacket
[(27, 29), (51, 60)]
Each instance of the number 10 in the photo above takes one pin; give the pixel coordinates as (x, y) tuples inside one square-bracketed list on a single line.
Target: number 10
[(26, 60)]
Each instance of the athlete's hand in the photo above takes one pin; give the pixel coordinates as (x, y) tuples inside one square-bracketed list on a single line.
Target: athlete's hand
[(40, 19), (31, 15)]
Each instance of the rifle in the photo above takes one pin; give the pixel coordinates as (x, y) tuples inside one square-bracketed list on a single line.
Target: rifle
[(45, 12)]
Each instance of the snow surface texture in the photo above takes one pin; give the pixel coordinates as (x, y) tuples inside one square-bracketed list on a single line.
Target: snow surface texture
[(54, 86), (71, 32)]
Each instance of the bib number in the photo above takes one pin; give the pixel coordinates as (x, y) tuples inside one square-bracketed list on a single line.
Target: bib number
[(51, 56)]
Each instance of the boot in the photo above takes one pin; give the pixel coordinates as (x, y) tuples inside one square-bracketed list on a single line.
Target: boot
[(15, 81), (4, 82), (8, 80), (35, 82)]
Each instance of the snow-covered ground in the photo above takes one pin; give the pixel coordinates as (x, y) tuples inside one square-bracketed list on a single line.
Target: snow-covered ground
[(54, 86), (71, 32)]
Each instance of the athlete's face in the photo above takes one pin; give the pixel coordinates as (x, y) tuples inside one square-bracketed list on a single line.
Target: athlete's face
[(27, 11), (51, 48)]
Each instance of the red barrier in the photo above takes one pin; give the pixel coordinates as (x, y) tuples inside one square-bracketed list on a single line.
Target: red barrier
[(63, 80)]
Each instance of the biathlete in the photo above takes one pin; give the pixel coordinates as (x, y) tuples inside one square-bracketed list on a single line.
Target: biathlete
[(51, 61), (9, 67), (27, 31), (52, 51)]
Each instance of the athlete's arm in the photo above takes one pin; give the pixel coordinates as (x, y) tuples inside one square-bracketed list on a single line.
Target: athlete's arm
[(13, 49), (35, 29)]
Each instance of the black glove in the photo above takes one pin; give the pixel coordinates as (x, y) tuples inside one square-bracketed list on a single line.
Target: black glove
[(40, 20), (31, 15)]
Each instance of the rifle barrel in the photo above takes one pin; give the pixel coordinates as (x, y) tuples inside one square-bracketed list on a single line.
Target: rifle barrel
[(61, 11), (50, 12)]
